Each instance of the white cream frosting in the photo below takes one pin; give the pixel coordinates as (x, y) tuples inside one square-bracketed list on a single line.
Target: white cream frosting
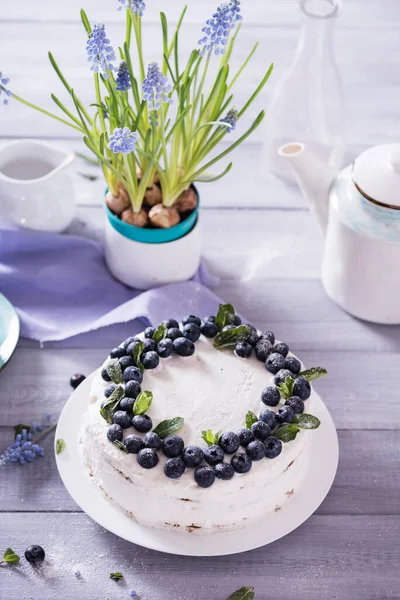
[(213, 389)]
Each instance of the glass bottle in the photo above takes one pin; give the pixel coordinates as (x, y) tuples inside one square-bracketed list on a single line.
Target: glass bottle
[(307, 104)]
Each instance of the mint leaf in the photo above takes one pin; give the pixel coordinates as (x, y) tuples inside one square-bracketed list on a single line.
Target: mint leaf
[(114, 370), (137, 353), (250, 419), (143, 403), (286, 388), (10, 557), (169, 427), (121, 446), (245, 593), (211, 438), (18, 429), (306, 421), (116, 576), (231, 337), (313, 373), (225, 316), (60, 446), (111, 404), (160, 333), (287, 433)]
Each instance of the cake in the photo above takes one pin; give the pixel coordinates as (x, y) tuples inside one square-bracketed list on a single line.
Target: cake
[(220, 436)]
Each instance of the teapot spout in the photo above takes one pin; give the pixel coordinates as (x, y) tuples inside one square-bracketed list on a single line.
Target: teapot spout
[(314, 177)]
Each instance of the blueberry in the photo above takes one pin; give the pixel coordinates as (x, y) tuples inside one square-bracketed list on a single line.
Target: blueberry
[(228, 327), (171, 323), (261, 430), (245, 437), (133, 443), (243, 349), (296, 403), (172, 446), (109, 390), (209, 319), (224, 471), (192, 456), (115, 433), (133, 345), (268, 416), (209, 329), (147, 458), (281, 348), (213, 455), (126, 361), (132, 389), (263, 349), (150, 360), (253, 339), (192, 332), (183, 347), (149, 346), (151, 440), (285, 414), (241, 462), (273, 447), (229, 442), (121, 418), (105, 375), (281, 376), (142, 423), (126, 404), (256, 450), (269, 335), (191, 319), (274, 363), (118, 352), (132, 374), (302, 388), (149, 332), (129, 341), (35, 554), (76, 380), (174, 333), (237, 321), (165, 348), (174, 468), (204, 476), (270, 396), (293, 364)]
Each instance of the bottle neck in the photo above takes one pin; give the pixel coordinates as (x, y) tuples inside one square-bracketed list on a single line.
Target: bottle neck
[(318, 18)]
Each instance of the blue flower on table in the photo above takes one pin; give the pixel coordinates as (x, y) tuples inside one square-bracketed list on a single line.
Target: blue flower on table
[(231, 120), (156, 87), (3, 90), (123, 80), (22, 450), (122, 141), (219, 27), (136, 6), (99, 50)]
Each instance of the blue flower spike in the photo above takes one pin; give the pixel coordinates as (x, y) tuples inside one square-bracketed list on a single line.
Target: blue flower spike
[(219, 27), (156, 87), (21, 450), (123, 141), (123, 80), (99, 50), (136, 6), (3, 90), (231, 120)]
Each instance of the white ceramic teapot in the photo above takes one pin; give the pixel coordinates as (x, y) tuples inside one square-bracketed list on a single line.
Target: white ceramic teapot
[(359, 212)]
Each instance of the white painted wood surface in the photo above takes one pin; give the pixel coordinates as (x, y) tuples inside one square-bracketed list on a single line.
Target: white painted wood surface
[(260, 239)]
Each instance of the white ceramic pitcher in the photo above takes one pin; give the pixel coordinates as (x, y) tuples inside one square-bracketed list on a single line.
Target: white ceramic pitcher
[(36, 191)]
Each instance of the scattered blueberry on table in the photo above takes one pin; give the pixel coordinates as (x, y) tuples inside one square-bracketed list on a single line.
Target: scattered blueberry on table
[(76, 380), (35, 554)]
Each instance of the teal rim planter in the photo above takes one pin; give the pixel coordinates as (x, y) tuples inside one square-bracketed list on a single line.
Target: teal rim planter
[(153, 236)]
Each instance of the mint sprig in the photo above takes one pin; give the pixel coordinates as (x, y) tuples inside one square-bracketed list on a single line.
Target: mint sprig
[(137, 353), (114, 370), (244, 593), (313, 373), (111, 404), (211, 438), (250, 419), (287, 433), (160, 333), (168, 427), (116, 576), (60, 445), (10, 557), (225, 316), (226, 339), (286, 388), (121, 446), (306, 421), (143, 403)]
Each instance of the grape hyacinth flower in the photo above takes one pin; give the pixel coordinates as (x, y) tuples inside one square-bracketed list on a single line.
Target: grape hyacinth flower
[(122, 141), (219, 27), (22, 450), (99, 50), (156, 87), (3, 90), (123, 80), (136, 6), (231, 120)]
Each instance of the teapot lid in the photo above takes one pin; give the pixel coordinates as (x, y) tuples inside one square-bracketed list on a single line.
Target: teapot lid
[(376, 175)]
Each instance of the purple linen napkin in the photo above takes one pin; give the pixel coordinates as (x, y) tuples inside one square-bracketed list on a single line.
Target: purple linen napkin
[(61, 287)]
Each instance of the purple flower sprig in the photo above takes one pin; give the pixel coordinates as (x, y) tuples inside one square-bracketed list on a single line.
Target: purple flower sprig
[(123, 80), (136, 6), (219, 27), (156, 87), (123, 141), (3, 90), (99, 50), (231, 120), (22, 450)]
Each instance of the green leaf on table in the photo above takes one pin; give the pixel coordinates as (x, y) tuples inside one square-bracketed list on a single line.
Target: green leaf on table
[(211, 438), (143, 403), (306, 421), (121, 446), (169, 427), (10, 557), (313, 373), (114, 370), (251, 418), (60, 446), (137, 353), (225, 316), (286, 388), (245, 593), (225, 339), (160, 333), (111, 404), (116, 576), (287, 433), (18, 429)]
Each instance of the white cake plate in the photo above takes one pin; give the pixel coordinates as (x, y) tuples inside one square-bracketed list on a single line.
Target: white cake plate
[(317, 483)]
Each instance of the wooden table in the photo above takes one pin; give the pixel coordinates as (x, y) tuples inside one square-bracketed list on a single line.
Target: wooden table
[(260, 239)]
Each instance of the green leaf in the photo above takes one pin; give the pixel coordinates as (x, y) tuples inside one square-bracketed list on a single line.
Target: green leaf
[(116, 576), (160, 333), (10, 557), (85, 22), (60, 446), (286, 388), (211, 438), (313, 373), (306, 421), (245, 593), (287, 433), (114, 370), (136, 354), (231, 337), (225, 316), (143, 403), (250, 419), (18, 429), (121, 446), (169, 426), (111, 404)]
